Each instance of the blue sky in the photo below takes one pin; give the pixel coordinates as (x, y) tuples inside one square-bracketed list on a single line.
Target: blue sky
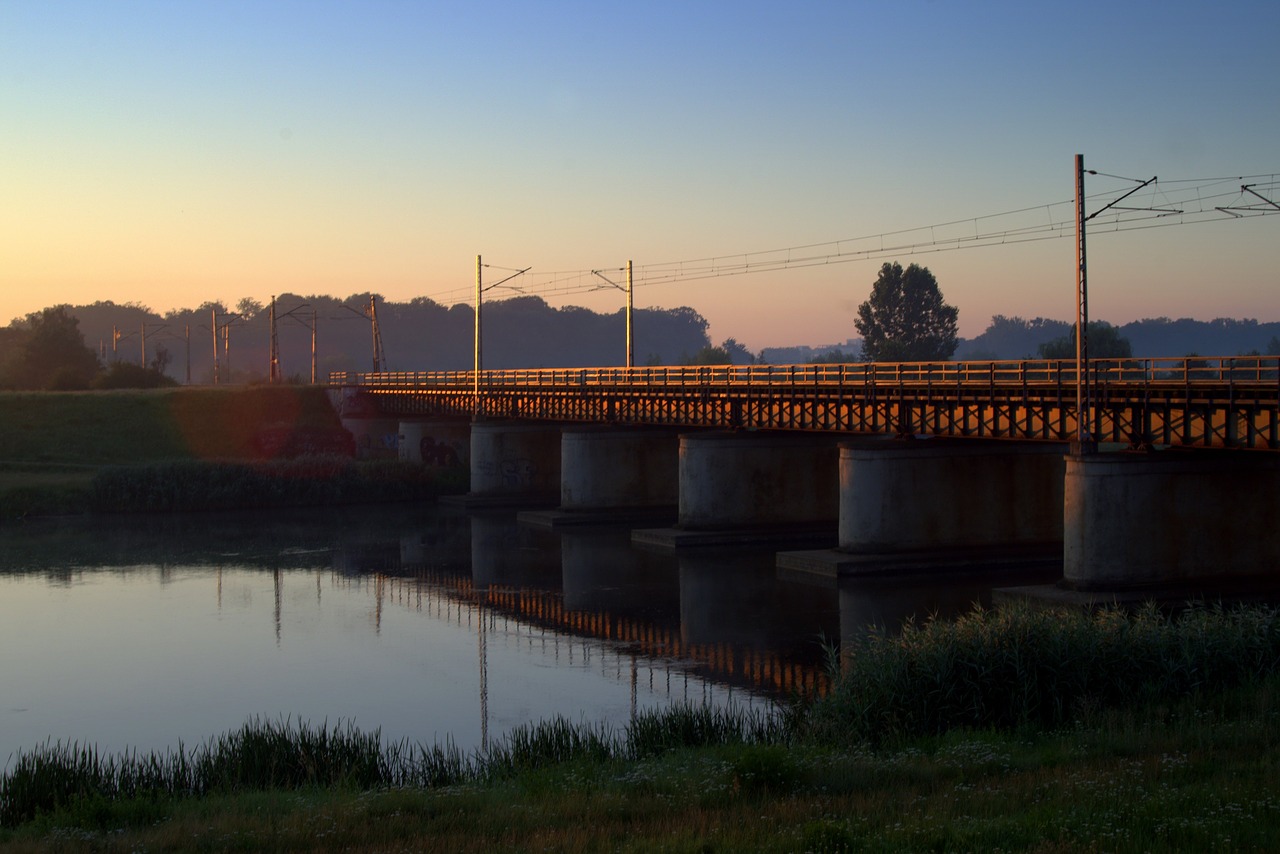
[(170, 153)]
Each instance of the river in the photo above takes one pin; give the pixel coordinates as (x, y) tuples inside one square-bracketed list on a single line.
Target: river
[(428, 624)]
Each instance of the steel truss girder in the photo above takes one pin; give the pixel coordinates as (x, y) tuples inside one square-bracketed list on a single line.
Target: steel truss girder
[(1231, 415)]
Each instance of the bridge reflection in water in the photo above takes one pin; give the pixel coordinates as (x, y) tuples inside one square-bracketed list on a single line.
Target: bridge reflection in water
[(672, 627)]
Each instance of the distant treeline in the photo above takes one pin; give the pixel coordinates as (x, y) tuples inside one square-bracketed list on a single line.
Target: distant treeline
[(1018, 338), (419, 335), (522, 332)]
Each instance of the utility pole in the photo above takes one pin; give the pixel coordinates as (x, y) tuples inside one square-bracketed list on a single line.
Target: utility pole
[(1086, 442), (273, 375), (480, 289), (630, 289), (313, 346), (631, 350), (475, 406), (1084, 435), (213, 327), (379, 357)]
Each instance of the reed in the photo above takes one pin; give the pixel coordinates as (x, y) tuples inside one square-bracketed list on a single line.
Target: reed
[(1021, 666), (284, 755)]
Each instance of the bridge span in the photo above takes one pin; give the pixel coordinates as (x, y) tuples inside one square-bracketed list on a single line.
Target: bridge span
[(1196, 402), (1175, 488)]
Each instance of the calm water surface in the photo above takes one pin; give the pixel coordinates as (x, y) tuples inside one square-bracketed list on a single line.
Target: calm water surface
[(427, 624)]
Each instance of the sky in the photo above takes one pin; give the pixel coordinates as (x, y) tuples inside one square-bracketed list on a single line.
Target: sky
[(178, 152)]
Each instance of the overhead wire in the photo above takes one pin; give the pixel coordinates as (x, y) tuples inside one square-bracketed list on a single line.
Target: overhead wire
[(1168, 203)]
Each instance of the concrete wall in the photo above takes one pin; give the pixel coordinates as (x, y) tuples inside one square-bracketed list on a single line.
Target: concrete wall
[(907, 495), (1139, 520)]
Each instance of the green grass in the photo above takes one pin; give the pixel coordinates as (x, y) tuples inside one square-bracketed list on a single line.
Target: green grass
[(139, 426), (1187, 760), (189, 449)]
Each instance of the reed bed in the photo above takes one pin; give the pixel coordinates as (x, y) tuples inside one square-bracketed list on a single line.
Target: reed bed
[(283, 755), (1020, 666)]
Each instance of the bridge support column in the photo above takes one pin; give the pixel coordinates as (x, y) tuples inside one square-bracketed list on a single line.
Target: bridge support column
[(940, 495), (915, 506), (603, 468), (514, 463), (738, 488), (438, 442), (610, 474), (376, 435), (730, 480), (1171, 518)]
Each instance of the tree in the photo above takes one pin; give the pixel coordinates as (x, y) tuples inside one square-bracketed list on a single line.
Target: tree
[(50, 353), (905, 320), (248, 308), (1105, 342)]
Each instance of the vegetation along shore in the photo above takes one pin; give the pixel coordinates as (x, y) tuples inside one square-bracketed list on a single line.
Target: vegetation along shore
[(1015, 730), (173, 449)]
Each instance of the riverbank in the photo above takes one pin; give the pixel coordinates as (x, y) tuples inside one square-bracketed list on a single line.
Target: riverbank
[(172, 449), (1160, 736)]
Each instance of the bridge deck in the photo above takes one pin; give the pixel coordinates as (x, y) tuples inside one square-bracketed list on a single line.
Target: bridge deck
[(1224, 402)]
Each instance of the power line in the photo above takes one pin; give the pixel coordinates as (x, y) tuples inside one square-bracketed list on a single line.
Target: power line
[(1155, 204)]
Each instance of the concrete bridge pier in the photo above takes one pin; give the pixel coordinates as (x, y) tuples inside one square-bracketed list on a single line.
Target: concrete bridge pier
[(1172, 519), (610, 474), (917, 505), (376, 435), (440, 442), (513, 464), (743, 487)]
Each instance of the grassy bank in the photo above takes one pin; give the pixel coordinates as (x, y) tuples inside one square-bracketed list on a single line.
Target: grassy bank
[(1185, 759), (187, 449)]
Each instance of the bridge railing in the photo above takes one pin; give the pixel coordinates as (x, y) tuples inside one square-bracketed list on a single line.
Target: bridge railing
[(1162, 371)]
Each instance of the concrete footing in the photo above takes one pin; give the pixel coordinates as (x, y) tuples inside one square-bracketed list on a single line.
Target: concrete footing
[(1170, 519), (752, 488)]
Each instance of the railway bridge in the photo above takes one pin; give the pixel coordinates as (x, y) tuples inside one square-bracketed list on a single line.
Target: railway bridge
[(1136, 472)]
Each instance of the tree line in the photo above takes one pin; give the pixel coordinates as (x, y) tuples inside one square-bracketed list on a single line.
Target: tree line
[(905, 318), (106, 344)]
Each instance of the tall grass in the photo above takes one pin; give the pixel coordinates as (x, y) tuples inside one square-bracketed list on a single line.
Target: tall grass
[(1022, 666), (265, 754)]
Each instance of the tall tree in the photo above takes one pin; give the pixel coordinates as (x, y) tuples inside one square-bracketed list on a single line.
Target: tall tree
[(50, 353), (905, 319)]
